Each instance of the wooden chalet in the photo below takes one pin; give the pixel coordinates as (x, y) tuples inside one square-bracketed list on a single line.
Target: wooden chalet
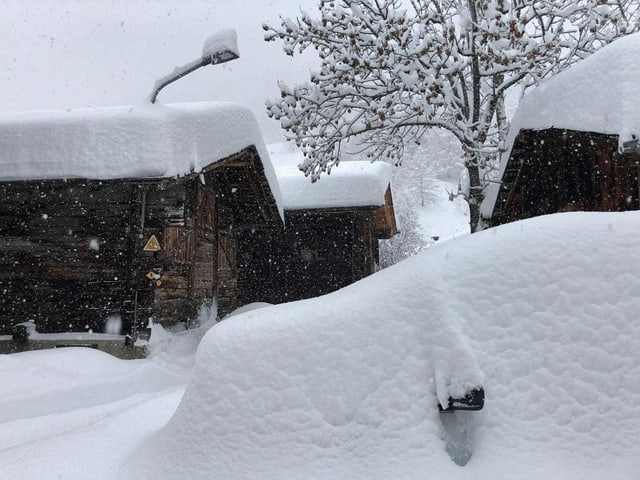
[(574, 145), (121, 239), (332, 226), (151, 213)]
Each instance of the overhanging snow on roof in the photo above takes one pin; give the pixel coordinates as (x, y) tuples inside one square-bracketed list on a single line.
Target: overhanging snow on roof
[(350, 184), (598, 94), (145, 141)]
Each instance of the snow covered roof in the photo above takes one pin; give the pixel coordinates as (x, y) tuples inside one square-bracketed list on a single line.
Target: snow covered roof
[(144, 141), (350, 184), (598, 94)]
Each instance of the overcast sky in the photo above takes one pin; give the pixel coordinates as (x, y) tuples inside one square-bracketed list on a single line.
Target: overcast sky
[(79, 53)]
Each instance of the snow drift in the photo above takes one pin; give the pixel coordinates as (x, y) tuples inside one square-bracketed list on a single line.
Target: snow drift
[(542, 313), (69, 377)]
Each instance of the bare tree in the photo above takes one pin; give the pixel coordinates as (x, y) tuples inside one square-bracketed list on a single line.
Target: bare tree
[(390, 69)]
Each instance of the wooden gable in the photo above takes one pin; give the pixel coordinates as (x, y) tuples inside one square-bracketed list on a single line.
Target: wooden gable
[(557, 170), (384, 220)]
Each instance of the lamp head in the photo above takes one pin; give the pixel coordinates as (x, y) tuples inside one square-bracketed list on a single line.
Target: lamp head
[(221, 47)]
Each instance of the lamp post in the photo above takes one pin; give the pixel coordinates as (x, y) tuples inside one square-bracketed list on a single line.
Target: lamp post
[(219, 48)]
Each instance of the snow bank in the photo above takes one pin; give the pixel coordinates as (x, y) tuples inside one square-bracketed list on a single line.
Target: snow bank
[(121, 142), (350, 184), (71, 378), (598, 94), (541, 312)]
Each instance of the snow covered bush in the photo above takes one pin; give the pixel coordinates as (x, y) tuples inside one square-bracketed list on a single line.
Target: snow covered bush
[(408, 241)]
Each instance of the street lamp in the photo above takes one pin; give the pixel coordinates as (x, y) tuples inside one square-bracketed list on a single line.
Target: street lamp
[(221, 47)]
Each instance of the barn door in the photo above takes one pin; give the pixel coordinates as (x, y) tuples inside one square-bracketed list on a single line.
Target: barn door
[(227, 272), (203, 266), (179, 244)]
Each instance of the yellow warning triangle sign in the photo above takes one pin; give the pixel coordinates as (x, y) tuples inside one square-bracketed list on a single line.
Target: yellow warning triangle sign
[(152, 245)]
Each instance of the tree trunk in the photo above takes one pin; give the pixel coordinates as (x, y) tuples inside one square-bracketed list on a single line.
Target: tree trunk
[(475, 190), (472, 152)]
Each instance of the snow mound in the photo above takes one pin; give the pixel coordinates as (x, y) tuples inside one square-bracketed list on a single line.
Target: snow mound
[(543, 313), (71, 378)]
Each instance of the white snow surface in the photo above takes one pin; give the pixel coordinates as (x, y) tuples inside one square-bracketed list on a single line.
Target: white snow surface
[(598, 94), (120, 142), (444, 220), (349, 184), (542, 313), (69, 376)]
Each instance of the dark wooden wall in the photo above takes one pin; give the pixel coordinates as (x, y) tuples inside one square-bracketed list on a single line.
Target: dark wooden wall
[(247, 226), (323, 251), (557, 170), (169, 275), (65, 252), (72, 253)]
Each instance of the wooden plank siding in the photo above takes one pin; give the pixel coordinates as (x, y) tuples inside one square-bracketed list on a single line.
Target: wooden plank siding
[(324, 250), (384, 221), (64, 252), (558, 170), (72, 252)]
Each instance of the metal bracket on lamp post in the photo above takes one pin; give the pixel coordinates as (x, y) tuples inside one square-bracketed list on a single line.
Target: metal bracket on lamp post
[(224, 50)]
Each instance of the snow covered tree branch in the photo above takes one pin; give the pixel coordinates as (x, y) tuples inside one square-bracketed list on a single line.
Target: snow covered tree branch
[(391, 69)]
